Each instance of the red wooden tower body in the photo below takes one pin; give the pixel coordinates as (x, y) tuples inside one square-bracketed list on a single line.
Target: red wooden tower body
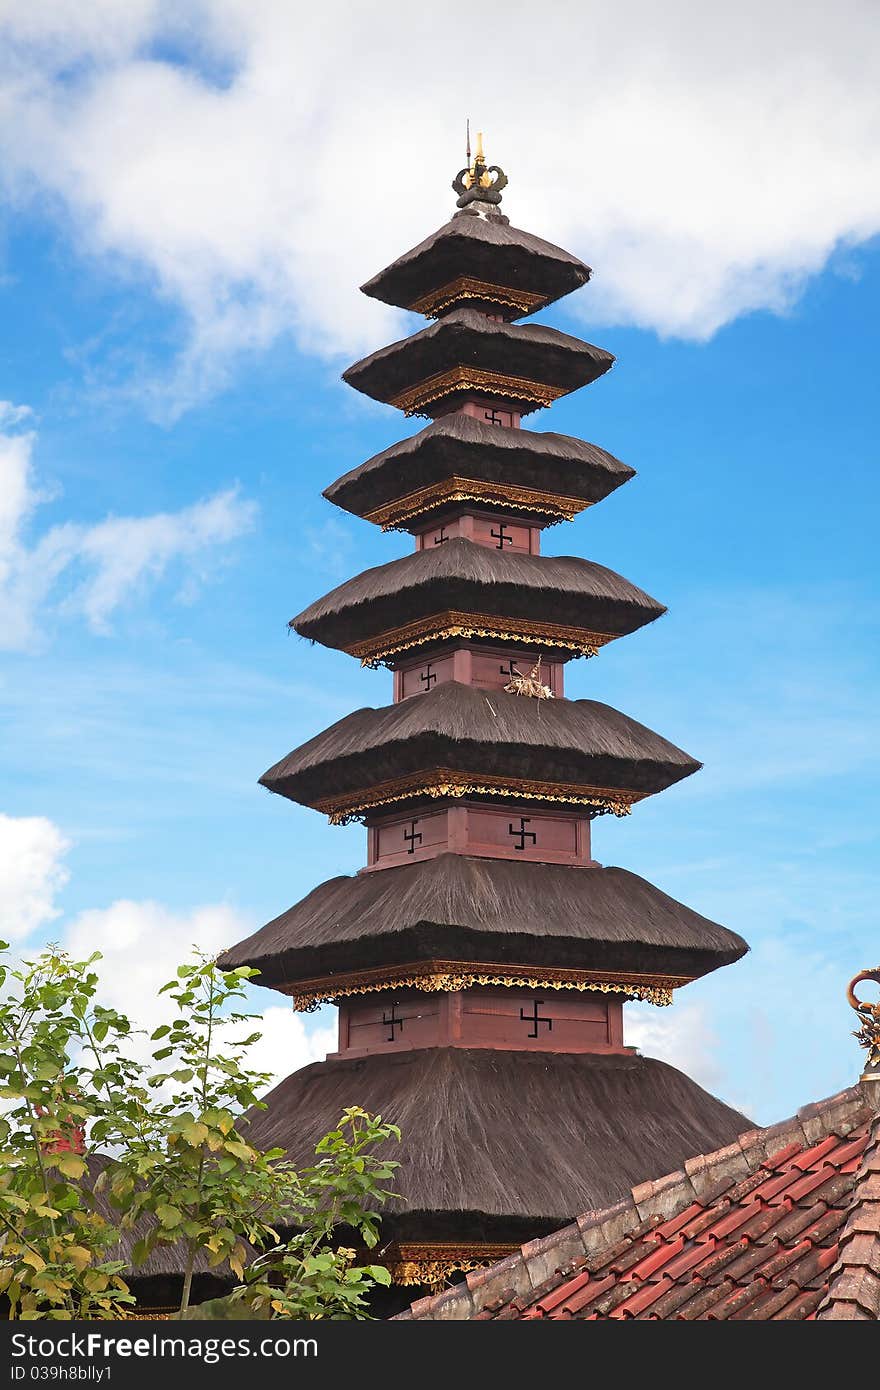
[(481, 958)]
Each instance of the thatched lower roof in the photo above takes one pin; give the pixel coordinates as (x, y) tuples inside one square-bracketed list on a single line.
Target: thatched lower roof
[(573, 746), (487, 249), (459, 446), (456, 907), (507, 1135), (486, 351), (463, 577)]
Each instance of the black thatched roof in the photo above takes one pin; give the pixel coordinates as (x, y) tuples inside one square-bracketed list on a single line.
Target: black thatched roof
[(464, 577), (459, 729), (457, 445), (468, 339), (490, 1136), (486, 249), (455, 907)]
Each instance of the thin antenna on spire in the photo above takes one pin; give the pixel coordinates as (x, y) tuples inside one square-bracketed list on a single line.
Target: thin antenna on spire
[(469, 141)]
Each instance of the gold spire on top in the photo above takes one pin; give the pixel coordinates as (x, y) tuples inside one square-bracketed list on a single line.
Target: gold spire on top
[(477, 172), (478, 181), (478, 155), (868, 1031)]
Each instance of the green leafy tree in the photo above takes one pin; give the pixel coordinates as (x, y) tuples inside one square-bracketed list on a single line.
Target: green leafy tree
[(57, 1252), (307, 1277), (169, 1145), (211, 1193)]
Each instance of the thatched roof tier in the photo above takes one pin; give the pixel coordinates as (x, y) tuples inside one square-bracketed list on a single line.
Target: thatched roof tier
[(408, 602), (462, 908), (479, 260), (460, 741), (458, 458), (489, 1137), (466, 353)]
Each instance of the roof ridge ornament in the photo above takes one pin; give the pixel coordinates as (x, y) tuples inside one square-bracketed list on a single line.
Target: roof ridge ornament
[(475, 182), (868, 1032)]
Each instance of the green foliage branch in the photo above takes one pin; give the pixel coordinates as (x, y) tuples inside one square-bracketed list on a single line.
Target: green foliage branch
[(166, 1156)]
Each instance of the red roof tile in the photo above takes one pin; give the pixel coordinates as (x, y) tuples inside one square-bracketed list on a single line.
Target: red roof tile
[(647, 1295), (657, 1258), (811, 1158), (797, 1238), (670, 1228)]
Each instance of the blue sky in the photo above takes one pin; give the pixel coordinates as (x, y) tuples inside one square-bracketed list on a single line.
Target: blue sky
[(148, 679)]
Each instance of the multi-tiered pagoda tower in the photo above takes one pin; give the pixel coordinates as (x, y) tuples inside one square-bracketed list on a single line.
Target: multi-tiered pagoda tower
[(481, 959)]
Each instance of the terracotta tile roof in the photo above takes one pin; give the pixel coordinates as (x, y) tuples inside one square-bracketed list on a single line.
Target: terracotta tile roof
[(782, 1225), (854, 1282)]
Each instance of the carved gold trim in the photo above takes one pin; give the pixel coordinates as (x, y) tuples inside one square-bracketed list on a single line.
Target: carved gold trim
[(457, 379), (431, 1274), (451, 1250), (432, 1265), (444, 976), (453, 623), (445, 783), (394, 515), (434, 302)]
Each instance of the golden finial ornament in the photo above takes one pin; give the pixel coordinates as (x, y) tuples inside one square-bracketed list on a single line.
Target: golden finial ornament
[(868, 1031), (478, 181)]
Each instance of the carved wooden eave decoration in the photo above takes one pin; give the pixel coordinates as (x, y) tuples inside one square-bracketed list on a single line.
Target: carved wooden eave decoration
[(468, 287), (458, 381), (431, 1264), (440, 976), (395, 516), (443, 627), (445, 782)]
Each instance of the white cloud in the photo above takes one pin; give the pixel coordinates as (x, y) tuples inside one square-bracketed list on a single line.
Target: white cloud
[(680, 1035), (142, 944), (13, 414), (705, 161), (101, 565), (287, 1044), (123, 552), (32, 872)]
